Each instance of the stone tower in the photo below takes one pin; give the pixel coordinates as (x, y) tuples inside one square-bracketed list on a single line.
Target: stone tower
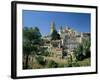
[(60, 30), (52, 27)]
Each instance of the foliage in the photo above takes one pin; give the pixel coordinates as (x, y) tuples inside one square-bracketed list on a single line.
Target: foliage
[(79, 52), (86, 47), (52, 64), (75, 64), (83, 50), (40, 60), (30, 36), (31, 33), (85, 62), (72, 62), (55, 35), (46, 53)]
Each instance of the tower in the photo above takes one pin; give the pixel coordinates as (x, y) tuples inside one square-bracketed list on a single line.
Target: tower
[(60, 30), (52, 27)]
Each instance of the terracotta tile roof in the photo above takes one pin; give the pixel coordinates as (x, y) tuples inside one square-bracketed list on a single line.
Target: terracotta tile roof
[(58, 49)]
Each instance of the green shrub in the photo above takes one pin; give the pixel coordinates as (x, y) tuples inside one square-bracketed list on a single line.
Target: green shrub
[(80, 56), (75, 64), (40, 60), (60, 65), (71, 62), (52, 64), (45, 53), (83, 49)]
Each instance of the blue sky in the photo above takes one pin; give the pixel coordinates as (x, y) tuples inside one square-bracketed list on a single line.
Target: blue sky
[(42, 19)]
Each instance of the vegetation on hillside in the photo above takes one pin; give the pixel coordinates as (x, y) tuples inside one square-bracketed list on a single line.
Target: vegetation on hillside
[(35, 56)]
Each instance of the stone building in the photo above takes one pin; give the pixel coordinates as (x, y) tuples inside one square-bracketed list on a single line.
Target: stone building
[(70, 39)]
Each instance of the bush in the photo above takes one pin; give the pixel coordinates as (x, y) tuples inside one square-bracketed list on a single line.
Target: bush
[(71, 62), (75, 64), (40, 60), (61, 65), (80, 56), (46, 53), (52, 64), (83, 50)]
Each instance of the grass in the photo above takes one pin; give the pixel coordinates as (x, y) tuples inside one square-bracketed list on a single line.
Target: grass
[(61, 63), (64, 62), (85, 62)]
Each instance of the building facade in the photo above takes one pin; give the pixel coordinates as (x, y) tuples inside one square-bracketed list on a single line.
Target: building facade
[(69, 40)]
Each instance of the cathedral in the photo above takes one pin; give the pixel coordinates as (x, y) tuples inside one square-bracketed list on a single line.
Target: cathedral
[(69, 40)]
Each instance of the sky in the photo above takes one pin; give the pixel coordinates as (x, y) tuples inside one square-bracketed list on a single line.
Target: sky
[(42, 19)]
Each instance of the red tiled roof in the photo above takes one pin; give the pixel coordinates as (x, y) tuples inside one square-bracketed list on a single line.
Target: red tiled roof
[(58, 49)]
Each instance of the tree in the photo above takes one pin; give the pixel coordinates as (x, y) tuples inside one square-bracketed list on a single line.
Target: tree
[(86, 47), (31, 36), (79, 52), (83, 49), (55, 35), (37, 36)]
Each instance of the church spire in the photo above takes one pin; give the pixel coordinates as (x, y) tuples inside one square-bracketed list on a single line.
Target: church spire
[(52, 27)]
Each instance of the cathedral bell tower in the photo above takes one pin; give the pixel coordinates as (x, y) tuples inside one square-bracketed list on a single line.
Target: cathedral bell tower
[(60, 30), (52, 27)]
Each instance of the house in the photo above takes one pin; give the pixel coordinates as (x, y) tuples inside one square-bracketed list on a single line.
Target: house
[(70, 39)]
